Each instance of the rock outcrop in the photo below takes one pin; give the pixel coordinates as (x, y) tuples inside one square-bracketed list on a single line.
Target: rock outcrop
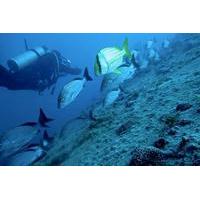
[(155, 121)]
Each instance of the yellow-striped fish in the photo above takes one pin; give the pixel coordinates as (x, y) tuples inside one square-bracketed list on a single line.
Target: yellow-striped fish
[(108, 60)]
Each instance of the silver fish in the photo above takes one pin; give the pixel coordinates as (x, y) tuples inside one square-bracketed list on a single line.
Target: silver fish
[(111, 97), (111, 81), (72, 89)]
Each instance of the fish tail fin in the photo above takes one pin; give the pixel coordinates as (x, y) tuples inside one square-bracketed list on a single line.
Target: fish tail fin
[(122, 89), (43, 119), (125, 48), (86, 75), (133, 61), (46, 136)]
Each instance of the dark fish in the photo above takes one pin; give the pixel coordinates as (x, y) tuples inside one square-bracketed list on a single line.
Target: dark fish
[(26, 157), (86, 75), (47, 137), (29, 124), (42, 121)]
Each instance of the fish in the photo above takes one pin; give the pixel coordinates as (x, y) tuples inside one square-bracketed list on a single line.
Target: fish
[(165, 44), (31, 154), (135, 62), (42, 120), (111, 81), (22, 136), (72, 89), (144, 64), (157, 57), (135, 53), (149, 44), (152, 54), (47, 140), (111, 97), (109, 59), (26, 157)]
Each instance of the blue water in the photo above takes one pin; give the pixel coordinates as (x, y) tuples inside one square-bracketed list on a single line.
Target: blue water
[(17, 107)]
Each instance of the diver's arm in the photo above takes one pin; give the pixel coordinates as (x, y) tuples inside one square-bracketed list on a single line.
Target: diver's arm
[(65, 65), (70, 70)]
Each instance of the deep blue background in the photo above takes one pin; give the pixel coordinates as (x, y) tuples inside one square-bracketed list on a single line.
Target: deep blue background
[(21, 106)]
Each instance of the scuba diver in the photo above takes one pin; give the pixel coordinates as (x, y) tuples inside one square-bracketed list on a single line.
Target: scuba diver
[(36, 69)]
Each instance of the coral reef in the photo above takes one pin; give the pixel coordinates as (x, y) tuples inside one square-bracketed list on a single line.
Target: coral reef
[(147, 156)]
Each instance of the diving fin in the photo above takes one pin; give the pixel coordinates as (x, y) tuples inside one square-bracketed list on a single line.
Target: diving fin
[(125, 47), (86, 75), (43, 119)]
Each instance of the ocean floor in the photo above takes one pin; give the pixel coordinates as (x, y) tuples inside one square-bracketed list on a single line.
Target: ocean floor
[(155, 120)]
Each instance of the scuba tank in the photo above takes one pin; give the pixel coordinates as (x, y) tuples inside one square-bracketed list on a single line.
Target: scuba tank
[(29, 57), (26, 59)]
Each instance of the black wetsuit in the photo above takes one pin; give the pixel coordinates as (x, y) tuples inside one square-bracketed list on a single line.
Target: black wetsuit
[(38, 76)]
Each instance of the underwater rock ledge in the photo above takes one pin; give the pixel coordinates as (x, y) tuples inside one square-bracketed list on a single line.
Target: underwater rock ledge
[(155, 121)]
